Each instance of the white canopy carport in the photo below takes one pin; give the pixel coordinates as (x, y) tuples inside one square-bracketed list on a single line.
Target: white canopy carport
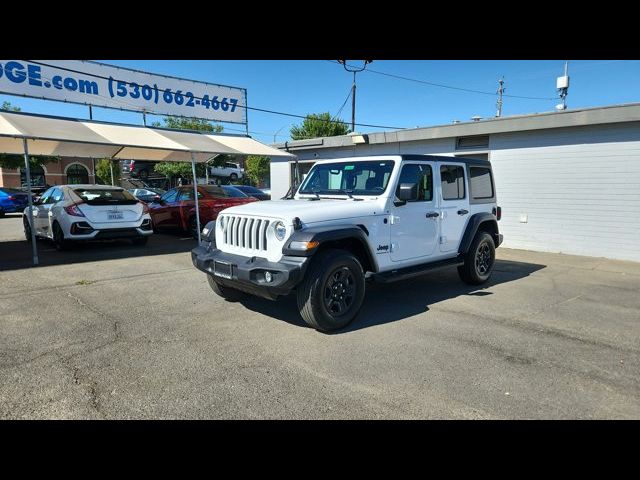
[(24, 133)]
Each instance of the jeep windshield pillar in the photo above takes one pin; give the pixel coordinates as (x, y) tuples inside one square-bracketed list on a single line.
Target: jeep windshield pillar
[(377, 218)]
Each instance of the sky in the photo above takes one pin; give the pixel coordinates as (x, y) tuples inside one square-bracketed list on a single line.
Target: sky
[(314, 86)]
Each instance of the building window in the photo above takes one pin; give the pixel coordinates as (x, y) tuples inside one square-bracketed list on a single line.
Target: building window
[(480, 182), (476, 142), (77, 174), (38, 178), (452, 181)]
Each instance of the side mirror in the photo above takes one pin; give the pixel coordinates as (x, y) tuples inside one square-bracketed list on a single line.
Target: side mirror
[(406, 192)]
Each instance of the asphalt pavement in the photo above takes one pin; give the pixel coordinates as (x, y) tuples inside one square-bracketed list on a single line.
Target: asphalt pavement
[(118, 331)]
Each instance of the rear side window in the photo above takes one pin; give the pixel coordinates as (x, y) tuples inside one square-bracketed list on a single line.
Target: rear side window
[(57, 196), (480, 183), (95, 196), (187, 195), (170, 196), (233, 192), (452, 180)]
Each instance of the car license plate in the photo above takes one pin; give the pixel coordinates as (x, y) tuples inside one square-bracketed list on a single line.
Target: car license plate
[(222, 269), (114, 215)]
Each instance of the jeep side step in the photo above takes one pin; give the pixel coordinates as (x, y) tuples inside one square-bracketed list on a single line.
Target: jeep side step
[(416, 270)]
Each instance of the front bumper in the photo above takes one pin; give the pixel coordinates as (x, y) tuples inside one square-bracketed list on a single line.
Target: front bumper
[(248, 273)]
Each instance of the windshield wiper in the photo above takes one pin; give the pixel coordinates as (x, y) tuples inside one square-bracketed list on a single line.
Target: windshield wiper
[(346, 192)]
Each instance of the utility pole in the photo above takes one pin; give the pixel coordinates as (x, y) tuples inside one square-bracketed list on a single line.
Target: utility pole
[(276, 134), (353, 89), (500, 91)]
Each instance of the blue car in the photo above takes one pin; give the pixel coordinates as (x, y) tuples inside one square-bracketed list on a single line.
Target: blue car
[(12, 200)]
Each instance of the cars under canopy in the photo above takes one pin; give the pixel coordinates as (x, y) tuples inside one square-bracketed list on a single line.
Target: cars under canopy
[(32, 134)]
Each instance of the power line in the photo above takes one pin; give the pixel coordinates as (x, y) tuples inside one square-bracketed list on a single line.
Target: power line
[(345, 102), (264, 110), (433, 84)]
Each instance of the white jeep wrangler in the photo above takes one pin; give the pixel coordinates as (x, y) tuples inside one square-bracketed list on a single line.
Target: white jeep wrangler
[(380, 218)]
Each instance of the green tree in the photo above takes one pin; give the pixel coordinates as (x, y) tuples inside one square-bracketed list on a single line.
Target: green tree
[(103, 171), (319, 125), (257, 167), (183, 169), (184, 123), (7, 106), (8, 160)]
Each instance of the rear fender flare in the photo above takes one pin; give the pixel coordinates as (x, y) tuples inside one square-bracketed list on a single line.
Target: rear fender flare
[(472, 228)]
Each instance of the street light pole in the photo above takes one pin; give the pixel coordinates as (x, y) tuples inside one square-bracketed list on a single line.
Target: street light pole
[(353, 88)]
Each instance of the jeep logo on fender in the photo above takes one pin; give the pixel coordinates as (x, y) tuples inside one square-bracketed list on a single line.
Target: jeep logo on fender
[(383, 248)]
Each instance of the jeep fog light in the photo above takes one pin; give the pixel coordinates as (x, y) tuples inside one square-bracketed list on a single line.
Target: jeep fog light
[(268, 277), (303, 245), (280, 230)]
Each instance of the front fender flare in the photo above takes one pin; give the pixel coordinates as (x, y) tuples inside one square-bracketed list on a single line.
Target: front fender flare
[(329, 233)]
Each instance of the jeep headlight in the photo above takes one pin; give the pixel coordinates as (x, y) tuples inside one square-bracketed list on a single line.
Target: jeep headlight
[(280, 230)]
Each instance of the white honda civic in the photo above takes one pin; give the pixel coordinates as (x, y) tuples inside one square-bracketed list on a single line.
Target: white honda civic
[(66, 213)]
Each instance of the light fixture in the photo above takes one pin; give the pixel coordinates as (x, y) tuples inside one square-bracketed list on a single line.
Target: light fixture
[(357, 139)]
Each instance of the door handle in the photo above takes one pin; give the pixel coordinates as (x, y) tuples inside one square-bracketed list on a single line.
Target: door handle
[(433, 215), (463, 212)]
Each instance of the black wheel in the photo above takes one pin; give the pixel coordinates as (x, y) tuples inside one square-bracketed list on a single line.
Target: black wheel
[(143, 174), (193, 227), (1, 213), (27, 229), (479, 261), (233, 177), (140, 241), (228, 293), (331, 294), (58, 238)]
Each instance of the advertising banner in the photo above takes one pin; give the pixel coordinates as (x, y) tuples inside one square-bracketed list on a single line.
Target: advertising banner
[(101, 85)]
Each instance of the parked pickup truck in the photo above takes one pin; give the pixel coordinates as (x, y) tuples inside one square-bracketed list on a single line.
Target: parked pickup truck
[(382, 218)]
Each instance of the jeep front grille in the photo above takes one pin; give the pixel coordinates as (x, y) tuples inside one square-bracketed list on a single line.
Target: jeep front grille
[(245, 232)]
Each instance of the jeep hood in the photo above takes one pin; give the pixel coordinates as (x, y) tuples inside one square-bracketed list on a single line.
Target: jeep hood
[(308, 211)]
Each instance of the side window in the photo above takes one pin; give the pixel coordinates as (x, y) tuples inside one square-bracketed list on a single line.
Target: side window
[(187, 194), (452, 180), (421, 175), (45, 196), (230, 165), (170, 196), (56, 196), (480, 182)]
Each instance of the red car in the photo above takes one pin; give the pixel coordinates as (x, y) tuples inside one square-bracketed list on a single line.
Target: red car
[(176, 209)]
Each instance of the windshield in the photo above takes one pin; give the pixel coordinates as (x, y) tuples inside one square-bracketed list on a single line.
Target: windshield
[(94, 196), (356, 178)]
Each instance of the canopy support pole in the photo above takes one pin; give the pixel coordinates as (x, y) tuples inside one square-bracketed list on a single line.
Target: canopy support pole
[(195, 193), (34, 247)]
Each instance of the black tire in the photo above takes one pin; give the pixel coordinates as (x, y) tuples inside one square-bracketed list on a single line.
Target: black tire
[(193, 227), (228, 293), (1, 213), (27, 229), (332, 292), (140, 241), (233, 177), (59, 241), (143, 174), (479, 260)]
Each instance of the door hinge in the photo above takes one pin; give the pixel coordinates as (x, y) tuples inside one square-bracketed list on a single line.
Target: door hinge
[(443, 240)]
